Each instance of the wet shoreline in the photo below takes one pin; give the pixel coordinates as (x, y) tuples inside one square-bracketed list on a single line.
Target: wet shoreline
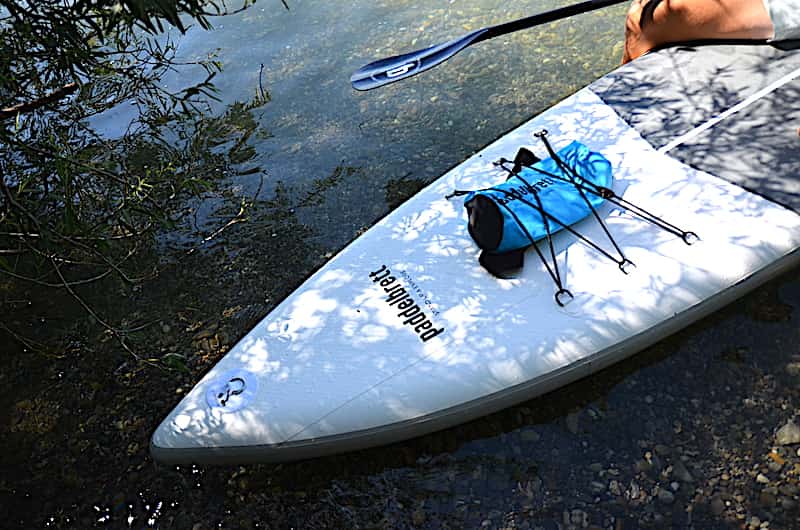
[(680, 435)]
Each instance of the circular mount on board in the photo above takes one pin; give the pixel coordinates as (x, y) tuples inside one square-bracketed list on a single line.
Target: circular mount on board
[(231, 391)]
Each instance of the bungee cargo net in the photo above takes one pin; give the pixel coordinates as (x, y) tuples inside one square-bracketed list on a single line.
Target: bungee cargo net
[(542, 197)]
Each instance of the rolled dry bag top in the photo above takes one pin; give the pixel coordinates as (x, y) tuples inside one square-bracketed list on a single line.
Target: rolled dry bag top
[(500, 216)]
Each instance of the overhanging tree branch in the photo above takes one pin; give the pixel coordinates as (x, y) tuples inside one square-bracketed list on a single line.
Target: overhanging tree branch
[(21, 108)]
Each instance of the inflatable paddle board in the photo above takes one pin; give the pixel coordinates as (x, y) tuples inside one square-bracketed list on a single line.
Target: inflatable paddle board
[(404, 332)]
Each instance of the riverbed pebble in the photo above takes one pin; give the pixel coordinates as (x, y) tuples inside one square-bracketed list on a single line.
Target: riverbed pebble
[(665, 496), (789, 434)]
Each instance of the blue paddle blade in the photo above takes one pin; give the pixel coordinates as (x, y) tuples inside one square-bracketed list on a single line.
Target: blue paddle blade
[(399, 67)]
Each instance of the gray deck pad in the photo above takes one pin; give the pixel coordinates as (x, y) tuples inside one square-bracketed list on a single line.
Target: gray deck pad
[(757, 147)]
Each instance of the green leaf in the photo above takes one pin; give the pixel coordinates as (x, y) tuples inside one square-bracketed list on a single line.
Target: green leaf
[(175, 361)]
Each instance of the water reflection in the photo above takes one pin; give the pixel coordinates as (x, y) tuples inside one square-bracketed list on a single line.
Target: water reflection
[(413, 130)]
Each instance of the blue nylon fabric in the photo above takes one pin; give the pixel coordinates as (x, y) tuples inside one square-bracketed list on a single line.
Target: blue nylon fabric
[(561, 200)]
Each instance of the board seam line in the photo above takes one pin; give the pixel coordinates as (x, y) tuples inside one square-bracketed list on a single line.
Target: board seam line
[(664, 149), (732, 110), (357, 396)]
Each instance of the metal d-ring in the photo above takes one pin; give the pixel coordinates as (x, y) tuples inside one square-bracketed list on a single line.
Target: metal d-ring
[(690, 238), (626, 264), (223, 398), (563, 292)]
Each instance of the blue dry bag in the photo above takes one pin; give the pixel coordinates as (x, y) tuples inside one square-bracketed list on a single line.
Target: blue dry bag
[(539, 199), (542, 197)]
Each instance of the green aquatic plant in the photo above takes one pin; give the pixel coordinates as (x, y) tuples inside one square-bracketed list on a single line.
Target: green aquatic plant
[(79, 206)]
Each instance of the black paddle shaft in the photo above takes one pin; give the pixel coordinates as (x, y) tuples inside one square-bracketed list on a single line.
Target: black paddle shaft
[(391, 69), (549, 16)]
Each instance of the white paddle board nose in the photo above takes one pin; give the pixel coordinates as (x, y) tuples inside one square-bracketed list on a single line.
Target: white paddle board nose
[(232, 390)]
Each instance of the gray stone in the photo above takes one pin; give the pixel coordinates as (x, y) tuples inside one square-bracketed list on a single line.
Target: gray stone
[(597, 486), (717, 505), (579, 518), (793, 369), (767, 500), (614, 488), (788, 434), (789, 489), (529, 436), (788, 504), (775, 466), (680, 472), (665, 496), (662, 449), (573, 422)]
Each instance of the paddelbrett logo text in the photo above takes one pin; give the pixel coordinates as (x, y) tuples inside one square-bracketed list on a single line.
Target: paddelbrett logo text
[(399, 298)]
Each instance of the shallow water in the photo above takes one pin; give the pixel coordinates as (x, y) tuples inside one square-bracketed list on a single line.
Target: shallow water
[(316, 126), (681, 435)]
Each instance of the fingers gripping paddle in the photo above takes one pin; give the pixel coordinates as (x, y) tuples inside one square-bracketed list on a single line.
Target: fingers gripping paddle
[(399, 67)]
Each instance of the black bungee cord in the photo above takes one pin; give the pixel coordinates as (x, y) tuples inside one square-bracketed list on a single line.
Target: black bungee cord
[(582, 185)]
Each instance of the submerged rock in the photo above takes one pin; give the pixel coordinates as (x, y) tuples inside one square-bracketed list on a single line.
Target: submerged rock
[(788, 434), (680, 472), (666, 496)]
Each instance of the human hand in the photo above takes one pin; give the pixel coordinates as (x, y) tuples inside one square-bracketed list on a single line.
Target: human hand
[(652, 23), (639, 41)]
